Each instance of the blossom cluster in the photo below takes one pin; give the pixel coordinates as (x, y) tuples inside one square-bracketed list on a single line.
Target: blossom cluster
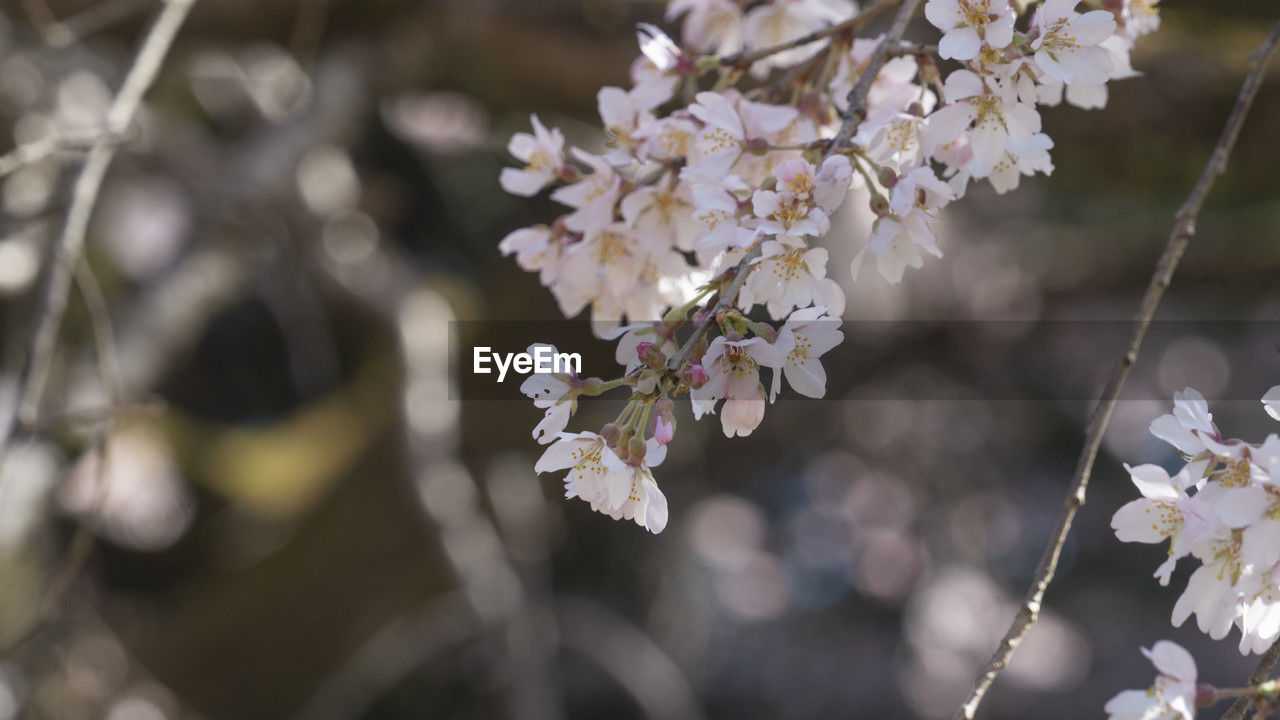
[(721, 170), (1221, 509)]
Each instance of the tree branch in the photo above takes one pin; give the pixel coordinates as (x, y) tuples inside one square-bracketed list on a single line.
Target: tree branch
[(70, 242), (1260, 675), (1179, 238), (747, 58)]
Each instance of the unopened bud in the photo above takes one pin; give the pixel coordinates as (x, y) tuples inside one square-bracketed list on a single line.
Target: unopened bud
[(695, 377), (636, 450), (916, 109), (1206, 695), (664, 430), (649, 354), (879, 205), (887, 177), (665, 407), (610, 433)]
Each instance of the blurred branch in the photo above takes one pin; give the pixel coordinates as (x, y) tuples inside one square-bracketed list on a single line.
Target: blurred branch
[(45, 148), (66, 251), (82, 541), (746, 58), (858, 95), (639, 666), (61, 33), (1183, 229), (1260, 675)]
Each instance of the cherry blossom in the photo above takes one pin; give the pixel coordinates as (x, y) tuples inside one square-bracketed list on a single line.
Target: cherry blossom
[(1171, 697), (734, 369), (803, 339), (968, 24), (1067, 46), (543, 155)]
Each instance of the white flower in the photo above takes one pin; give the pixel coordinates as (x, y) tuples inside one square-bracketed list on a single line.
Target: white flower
[(1140, 17), (921, 189), (1171, 697), (626, 118), (1211, 593), (802, 201), (895, 139), (1164, 511), (543, 155), (645, 503), (536, 249), (804, 338), (898, 242), (551, 392), (734, 370), (967, 24), (1188, 426), (710, 25), (1067, 47), (730, 123), (788, 277), (596, 473), (1021, 158), (594, 198), (1271, 402), (997, 118), (661, 214), (775, 23)]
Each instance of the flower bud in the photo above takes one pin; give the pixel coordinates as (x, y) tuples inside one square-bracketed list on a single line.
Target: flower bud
[(1206, 695), (610, 433), (650, 355), (664, 430), (879, 205), (636, 450), (887, 177), (695, 377)]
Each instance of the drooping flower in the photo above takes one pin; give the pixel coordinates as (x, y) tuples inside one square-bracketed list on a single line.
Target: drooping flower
[(1067, 46), (969, 24), (1171, 697), (596, 473), (803, 339), (734, 370), (543, 155)]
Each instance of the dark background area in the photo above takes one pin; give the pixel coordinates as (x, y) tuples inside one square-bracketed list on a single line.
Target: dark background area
[(314, 518)]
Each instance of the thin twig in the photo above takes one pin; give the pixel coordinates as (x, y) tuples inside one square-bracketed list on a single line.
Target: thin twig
[(82, 540), (857, 106), (66, 252), (45, 148), (746, 58), (1183, 229), (857, 99), (1261, 674)]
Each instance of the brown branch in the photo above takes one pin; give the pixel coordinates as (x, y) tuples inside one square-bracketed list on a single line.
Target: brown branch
[(1260, 675), (746, 58), (1183, 229), (857, 109), (70, 242)]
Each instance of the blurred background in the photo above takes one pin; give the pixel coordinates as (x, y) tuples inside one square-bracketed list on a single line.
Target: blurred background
[(302, 514)]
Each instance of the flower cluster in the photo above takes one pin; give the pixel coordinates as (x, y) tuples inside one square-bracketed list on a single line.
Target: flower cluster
[(1221, 509), (721, 169)]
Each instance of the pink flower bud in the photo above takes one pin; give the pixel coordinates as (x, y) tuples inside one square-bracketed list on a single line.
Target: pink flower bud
[(663, 430), (649, 354), (1206, 695), (696, 376)]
